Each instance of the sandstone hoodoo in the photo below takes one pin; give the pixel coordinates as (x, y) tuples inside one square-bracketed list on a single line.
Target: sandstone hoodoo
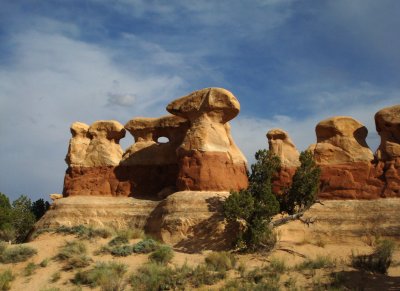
[(341, 139), (387, 123), (281, 145), (208, 154), (348, 168), (199, 155)]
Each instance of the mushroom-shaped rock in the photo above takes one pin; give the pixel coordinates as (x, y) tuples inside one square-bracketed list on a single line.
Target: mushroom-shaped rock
[(281, 145), (208, 154), (341, 139), (147, 150), (387, 122), (104, 148), (78, 144)]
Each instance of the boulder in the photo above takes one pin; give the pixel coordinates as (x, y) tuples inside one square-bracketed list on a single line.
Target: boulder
[(387, 122), (341, 139), (208, 155), (281, 145)]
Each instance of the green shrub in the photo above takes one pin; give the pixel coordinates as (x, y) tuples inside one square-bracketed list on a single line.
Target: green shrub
[(55, 277), (220, 261), (16, 254), (73, 254), (44, 263), (162, 255), (84, 232), (122, 251), (118, 240), (379, 261), (6, 277), (155, 277), (145, 246), (30, 269), (107, 275), (202, 275), (318, 263), (277, 265)]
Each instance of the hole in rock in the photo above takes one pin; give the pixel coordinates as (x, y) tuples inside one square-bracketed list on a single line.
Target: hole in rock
[(162, 139)]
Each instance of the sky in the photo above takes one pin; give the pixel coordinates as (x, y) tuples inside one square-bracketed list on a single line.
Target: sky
[(290, 63)]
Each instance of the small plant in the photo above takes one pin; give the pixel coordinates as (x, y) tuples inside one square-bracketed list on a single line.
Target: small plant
[(84, 232), (153, 276), (162, 255), (118, 240), (6, 277), (318, 263), (145, 246), (30, 269), (122, 251), (73, 253), (107, 275), (220, 261), (277, 265), (379, 261), (44, 263), (55, 277), (16, 254)]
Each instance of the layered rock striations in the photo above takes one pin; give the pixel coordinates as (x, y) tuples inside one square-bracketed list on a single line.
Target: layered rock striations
[(349, 169), (199, 153)]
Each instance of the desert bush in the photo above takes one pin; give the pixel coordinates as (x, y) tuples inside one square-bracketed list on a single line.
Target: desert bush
[(55, 277), (220, 261), (121, 251), (118, 240), (162, 255), (6, 277), (107, 275), (318, 263), (84, 232), (202, 275), (16, 254), (44, 263), (379, 261), (155, 277), (145, 246), (30, 269), (305, 183), (257, 204), (73, 254), (277, 265)]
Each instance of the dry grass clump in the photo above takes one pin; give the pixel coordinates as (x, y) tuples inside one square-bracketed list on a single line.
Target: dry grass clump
[(15, 254), (162, 255), (220, 261), (6, 278), (379, 261), (106, 275), (73, 254), (319, 262), (30, 269)]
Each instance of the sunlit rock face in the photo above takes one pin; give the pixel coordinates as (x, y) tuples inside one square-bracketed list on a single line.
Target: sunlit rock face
[(387, 122), (281, 145), (198, 151), (341, 139), (208, 157)]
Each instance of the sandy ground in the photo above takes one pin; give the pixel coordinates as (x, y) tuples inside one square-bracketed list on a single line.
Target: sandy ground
[(291, 249)]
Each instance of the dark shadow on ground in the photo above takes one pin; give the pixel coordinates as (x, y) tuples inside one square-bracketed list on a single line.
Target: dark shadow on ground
[(360, 280)]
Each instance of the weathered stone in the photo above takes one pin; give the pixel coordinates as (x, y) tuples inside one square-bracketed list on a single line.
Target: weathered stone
[(387, 122), (281, 145), (341, 139), (78, 144), (208, 144), (104, 148), (55, 196)]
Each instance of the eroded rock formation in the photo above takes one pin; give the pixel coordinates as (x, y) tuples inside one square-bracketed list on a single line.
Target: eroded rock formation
[(200, 153), (208, 158), (341, 139), (281, 145), (387, 123), (348, 168)]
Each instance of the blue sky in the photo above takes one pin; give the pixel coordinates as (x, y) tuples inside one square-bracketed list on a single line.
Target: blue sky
[(291, 63)]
